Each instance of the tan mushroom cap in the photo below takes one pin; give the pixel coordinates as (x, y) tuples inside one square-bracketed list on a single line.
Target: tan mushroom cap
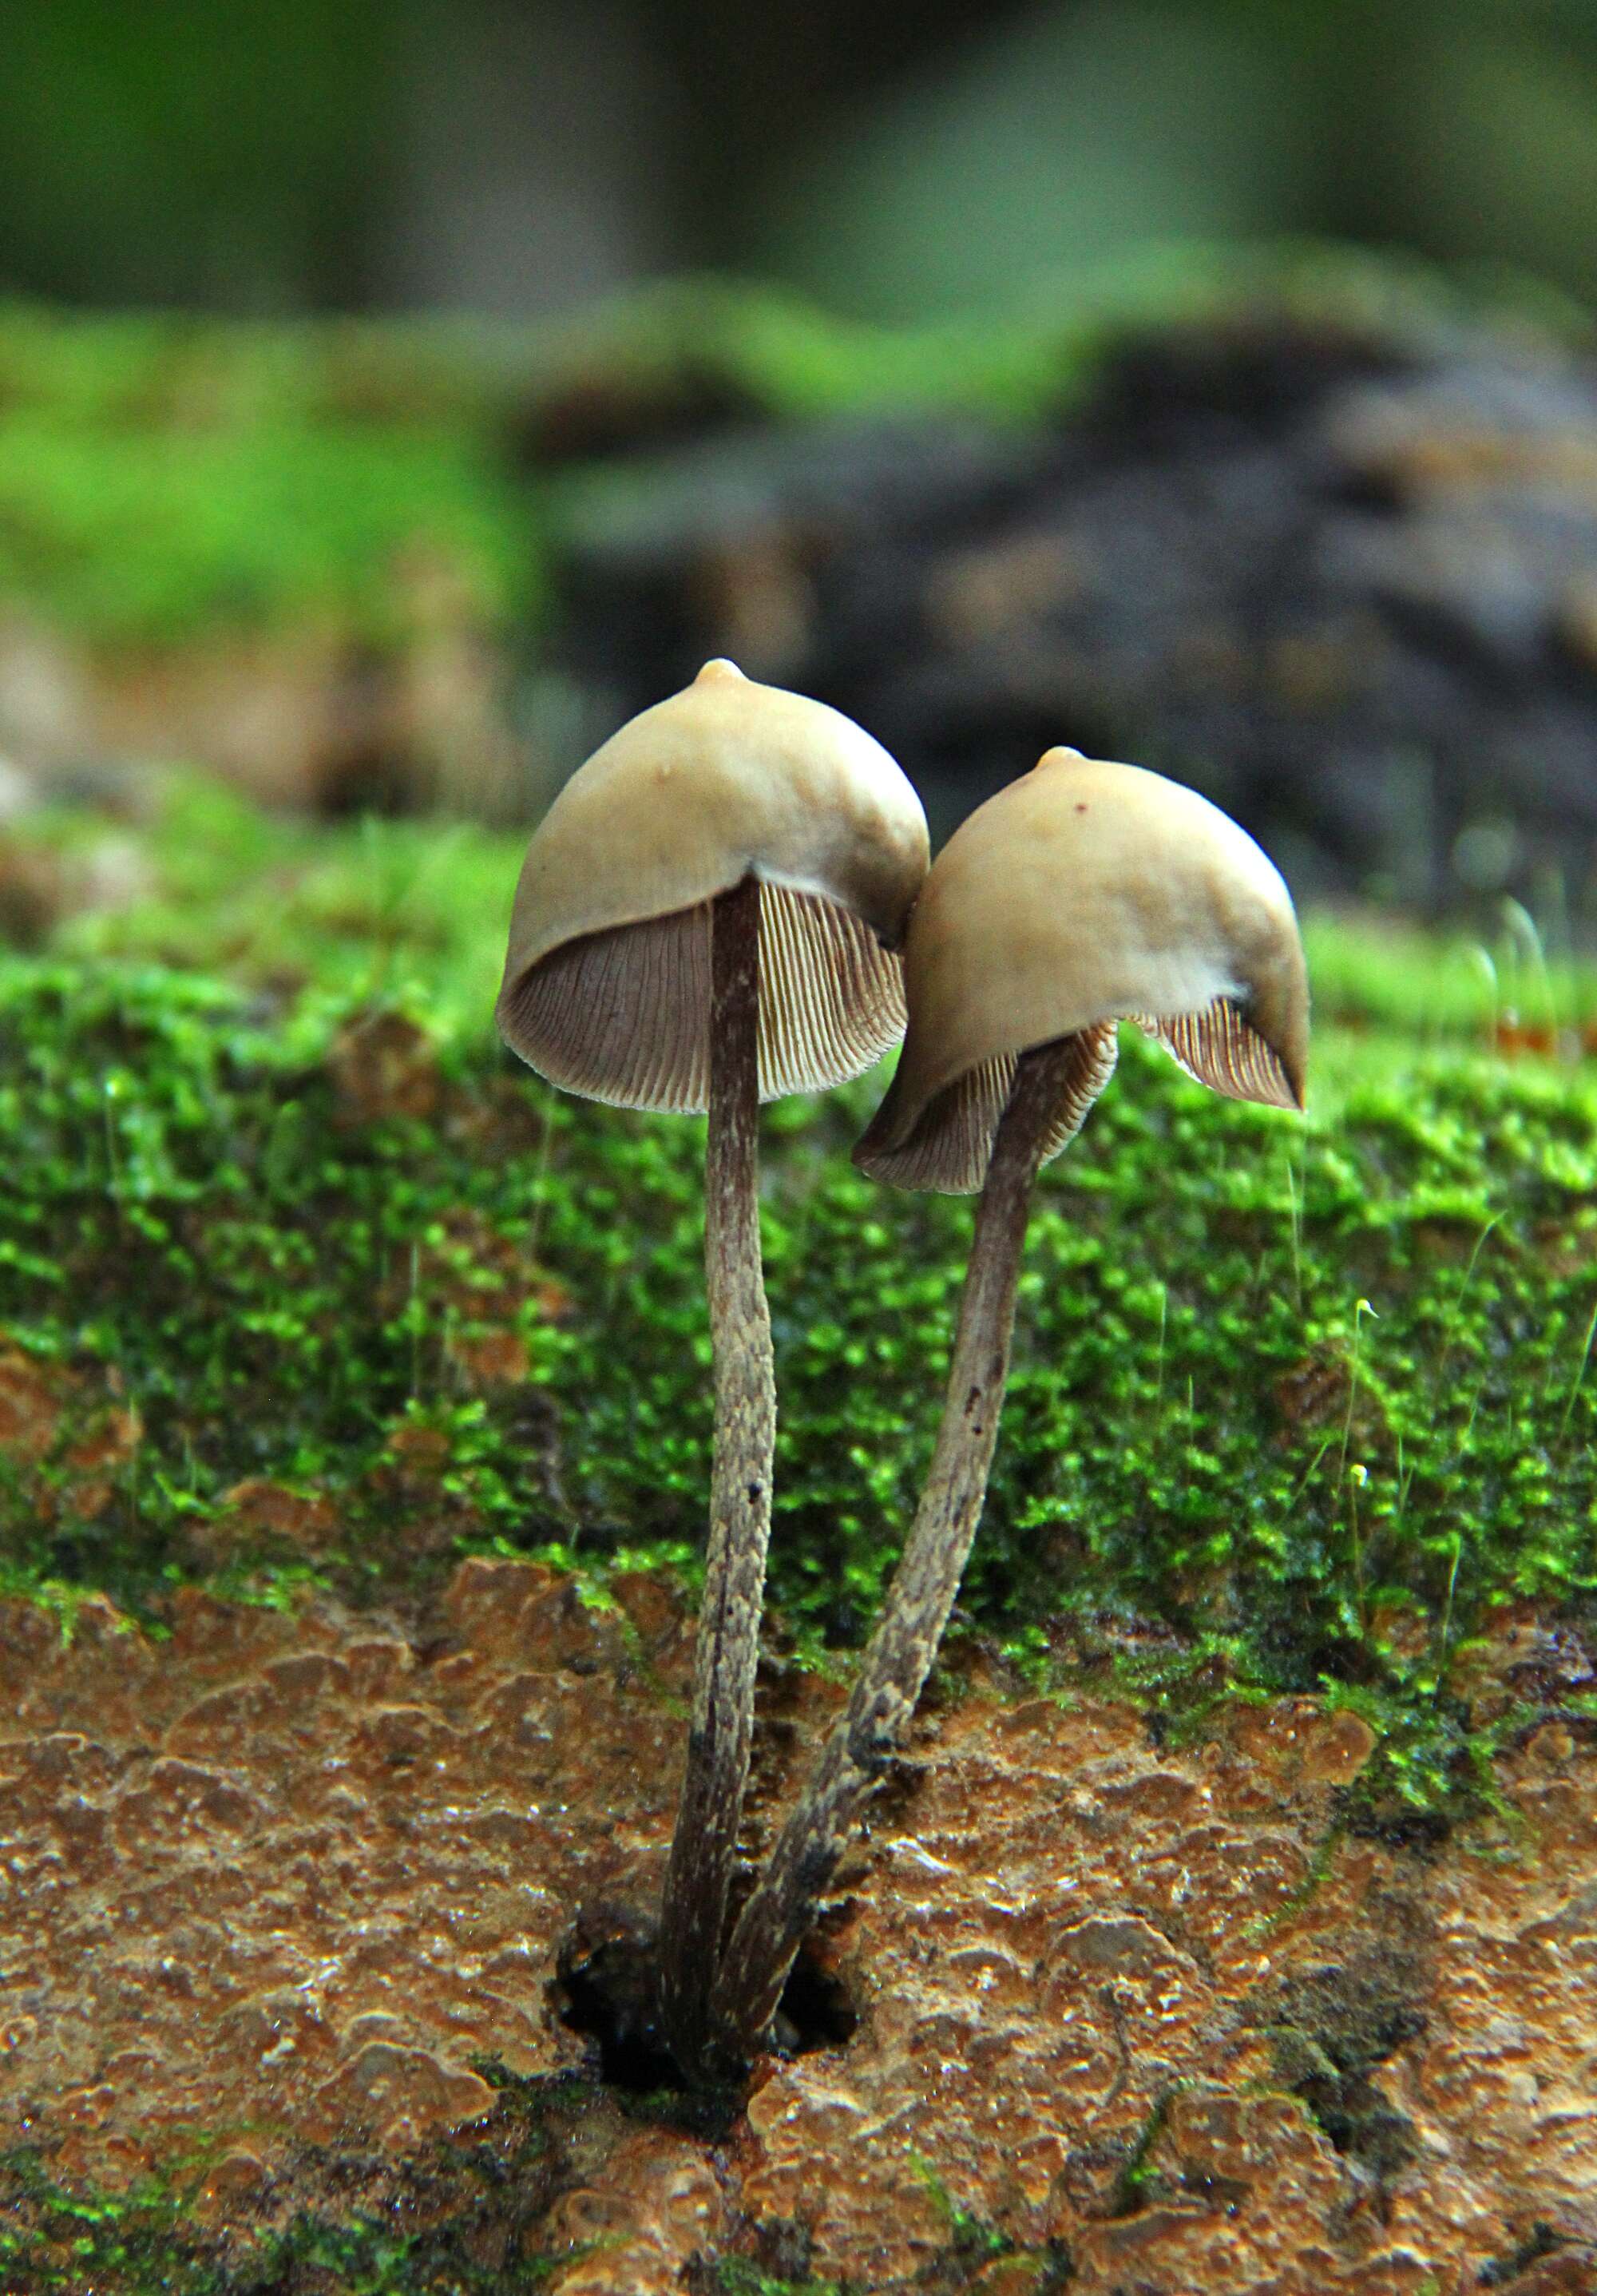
[(607, 983), (1084, 894)]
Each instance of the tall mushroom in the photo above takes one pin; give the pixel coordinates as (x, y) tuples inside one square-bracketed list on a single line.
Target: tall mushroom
[(706, 918), (1083, 894)]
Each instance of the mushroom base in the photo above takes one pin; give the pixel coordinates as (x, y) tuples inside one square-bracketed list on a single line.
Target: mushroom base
[(1049, 1079)]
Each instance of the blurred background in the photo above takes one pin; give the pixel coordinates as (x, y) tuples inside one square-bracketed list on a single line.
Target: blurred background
[(520, 157), (394, 397)]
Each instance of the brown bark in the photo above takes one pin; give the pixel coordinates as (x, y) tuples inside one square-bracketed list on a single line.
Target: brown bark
[(704, 1846), (1079, 1951), (895, 1665)]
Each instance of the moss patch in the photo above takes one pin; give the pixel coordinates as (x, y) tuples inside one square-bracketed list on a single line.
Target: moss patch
[(160, 479), (302, 1277), (460, 2220)]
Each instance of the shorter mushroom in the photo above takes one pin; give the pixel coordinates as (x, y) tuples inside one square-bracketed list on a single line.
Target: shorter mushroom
[(709, 916), (1084, 894)]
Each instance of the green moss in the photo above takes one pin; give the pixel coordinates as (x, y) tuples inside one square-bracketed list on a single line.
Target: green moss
[(314, 919), (163, 479), (971, 2238), (1293, 1404), (1501, 986), (735, 2277), (462, 2218), (56, 2239), (160, 536)]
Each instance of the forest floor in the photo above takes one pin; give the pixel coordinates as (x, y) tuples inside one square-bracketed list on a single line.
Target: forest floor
[(1232, 1921), (292, 1979)]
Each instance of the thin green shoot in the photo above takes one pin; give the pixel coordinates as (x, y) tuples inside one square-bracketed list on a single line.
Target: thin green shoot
[(1580, 1373), (1480, 958), (1444, 1632), (1358, 1475), (1527, 945), (1295, 1217), (1458, 1304), (1361, 1309), (1302, 1484)]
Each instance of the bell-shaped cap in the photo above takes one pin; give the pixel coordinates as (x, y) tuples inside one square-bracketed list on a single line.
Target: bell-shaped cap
[(607, 983), (1084, 894)]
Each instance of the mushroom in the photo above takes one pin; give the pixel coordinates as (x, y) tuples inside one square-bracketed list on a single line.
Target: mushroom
[(1084, 894), (708, 917)]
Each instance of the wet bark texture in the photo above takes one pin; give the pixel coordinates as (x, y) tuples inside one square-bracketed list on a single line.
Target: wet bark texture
[(1129, 2015)]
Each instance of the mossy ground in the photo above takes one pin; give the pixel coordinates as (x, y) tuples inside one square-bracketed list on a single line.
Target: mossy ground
[(470, 2228), (463, 2224), (1293, 1404)]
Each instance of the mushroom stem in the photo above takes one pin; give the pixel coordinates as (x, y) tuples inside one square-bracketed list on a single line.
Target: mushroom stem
[(899, 1657), (704, 1846)]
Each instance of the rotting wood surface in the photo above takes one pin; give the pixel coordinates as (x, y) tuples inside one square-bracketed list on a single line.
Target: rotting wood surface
[(292, 1881)]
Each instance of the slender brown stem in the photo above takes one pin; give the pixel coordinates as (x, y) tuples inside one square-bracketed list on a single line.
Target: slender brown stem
[(704, 1846), (899, 1657)]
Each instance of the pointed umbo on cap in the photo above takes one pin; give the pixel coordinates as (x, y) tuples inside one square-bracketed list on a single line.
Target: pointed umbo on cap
[(1084, 894), (607, 983)]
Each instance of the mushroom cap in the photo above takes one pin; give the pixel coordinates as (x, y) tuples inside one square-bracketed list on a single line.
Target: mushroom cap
[(1083, 894), (607, 981)]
